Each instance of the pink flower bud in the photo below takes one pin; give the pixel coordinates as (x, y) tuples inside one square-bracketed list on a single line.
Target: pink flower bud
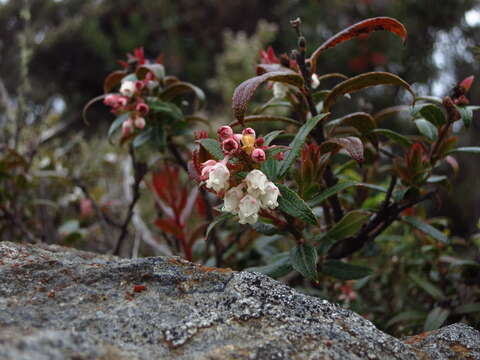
[(207, 166), (258, 155), (139, 122), (280, 156), (122, 101), (142, 108), (127, 127), (248, 131), (139, 85), (467, 83), (259, 142), (230, 145), (110, 100), (238, 137), (224, 132)]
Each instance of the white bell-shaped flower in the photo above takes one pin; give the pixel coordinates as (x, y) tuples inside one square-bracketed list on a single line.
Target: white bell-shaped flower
[(269, 199), (232, 198), (256, 183), (248, 210), (218, 177), (127, 88)]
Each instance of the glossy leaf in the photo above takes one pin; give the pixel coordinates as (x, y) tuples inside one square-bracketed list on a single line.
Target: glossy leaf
[(271, 136), (265, 229), (345, 271), (181, 88), (280, 266), (436, 318), (433, 114), (351, 144), (394, 136), (142, 138), (304, 260), (297, 143), (361, 121), (466, 149), (360, 29), (364, 81), (291, 203), (427, 129), (426, 228), (244, 91), (347, 226), (213, 147), (166, 108)]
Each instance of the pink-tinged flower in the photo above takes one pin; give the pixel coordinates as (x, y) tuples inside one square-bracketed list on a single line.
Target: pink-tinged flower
[(248, 131), (122, 101), (230, 146), (207, 166), (139, 85), (110, 100), (224, 132), (238, 137), (218, 177), (127, 88), (139, 122), (127, 127), (258, 155), (248, 210), (142, 108), (256, 183), (280, 156)]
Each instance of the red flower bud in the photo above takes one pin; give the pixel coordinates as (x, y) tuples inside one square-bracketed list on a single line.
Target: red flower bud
[(139, 122), (230, 145), (259, 142), (248, 131), (142, 108), (258, 155), (224, 132), (467, 83)]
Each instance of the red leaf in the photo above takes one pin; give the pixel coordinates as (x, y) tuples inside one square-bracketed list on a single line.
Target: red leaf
[(244, 91), (351, 144), (467, 83), (362, 28), (169, 226)]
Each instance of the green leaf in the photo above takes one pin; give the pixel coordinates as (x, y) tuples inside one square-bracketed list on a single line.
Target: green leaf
[(270, 168), (347, 226), (466, 149), (216, 221), (426, 228), (213, 147), (466, 113), (280, 266), (394, 136), (291, 203), (265, 229), (271, 136), (345, 271), (468, 308), (297, 143), (166, 108), (406, 316), (364, 81), (433, 114), (142, 138), (304, 260), (428, 287), (159, 138), (180, 88), (318, 199), (361, 121), (427, 129), (117, 124), (436, 318)]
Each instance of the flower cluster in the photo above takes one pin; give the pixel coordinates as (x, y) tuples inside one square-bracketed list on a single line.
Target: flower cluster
[(246, 142), (252, 195)]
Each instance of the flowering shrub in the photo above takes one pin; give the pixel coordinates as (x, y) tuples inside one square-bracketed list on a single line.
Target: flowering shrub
[(331, 182)]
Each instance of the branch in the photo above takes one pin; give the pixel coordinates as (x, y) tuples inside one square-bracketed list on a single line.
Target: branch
[(140, 170)]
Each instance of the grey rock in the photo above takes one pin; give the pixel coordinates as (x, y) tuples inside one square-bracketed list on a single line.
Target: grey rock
[(61, 303)]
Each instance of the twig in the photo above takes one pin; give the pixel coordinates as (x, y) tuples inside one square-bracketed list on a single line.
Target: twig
[(139, 170)]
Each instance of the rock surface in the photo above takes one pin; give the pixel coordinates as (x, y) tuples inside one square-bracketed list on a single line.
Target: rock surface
[(59, 303)]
